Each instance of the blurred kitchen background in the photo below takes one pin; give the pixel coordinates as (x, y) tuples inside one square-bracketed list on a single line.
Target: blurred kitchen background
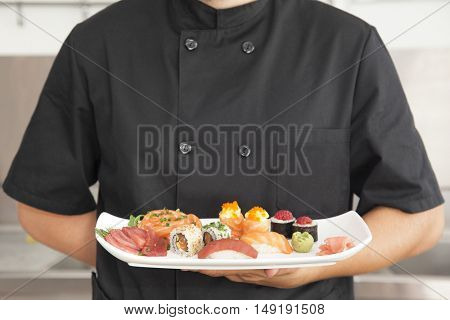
[(27, 48)]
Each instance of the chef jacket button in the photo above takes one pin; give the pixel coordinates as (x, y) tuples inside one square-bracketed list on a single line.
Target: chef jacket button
[(244, 151), (248, 47), (191, 44), (185, 148)]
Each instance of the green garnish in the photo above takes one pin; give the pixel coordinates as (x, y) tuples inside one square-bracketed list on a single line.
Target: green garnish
[(102, 233), (167, 224), (218, 225), (135, 220)]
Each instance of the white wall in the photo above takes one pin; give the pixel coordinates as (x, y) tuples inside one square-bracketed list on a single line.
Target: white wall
[(390, 17)]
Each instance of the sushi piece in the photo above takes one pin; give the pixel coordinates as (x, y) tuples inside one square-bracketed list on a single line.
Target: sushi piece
[(268, 242), (215, 231), (164, 221), (228, 249), (186, 240), (306, 224), (282, 222), (154, 246), (256, 220), (121, 238), (334, 245), (111, 240), (138, 236), (302, 242), (232, 217)]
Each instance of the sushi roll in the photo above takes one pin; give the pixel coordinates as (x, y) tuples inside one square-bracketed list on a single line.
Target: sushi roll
[(282, 222), (228, 249), (268, 242), (232, 217), (256, 220), (215, 231), (186, 240), (306, 224)]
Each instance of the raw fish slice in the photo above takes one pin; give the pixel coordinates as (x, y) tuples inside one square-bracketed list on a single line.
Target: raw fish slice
[(123, 239), (140, 232), (255, 226), (138, 236), (227, 245), (154, 246), (271, 239), (110, 239)]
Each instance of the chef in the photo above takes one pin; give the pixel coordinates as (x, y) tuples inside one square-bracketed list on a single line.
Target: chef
[(140, 65)]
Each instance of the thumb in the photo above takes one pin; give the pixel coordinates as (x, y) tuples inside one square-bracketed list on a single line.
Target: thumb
[(271, 272)]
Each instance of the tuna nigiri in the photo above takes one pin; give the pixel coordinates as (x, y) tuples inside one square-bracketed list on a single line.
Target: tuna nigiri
[(227, 249), (163, 221), (334, 245), (268, 242)]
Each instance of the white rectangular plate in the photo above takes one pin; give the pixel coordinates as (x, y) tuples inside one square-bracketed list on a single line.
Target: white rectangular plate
[(348, 224)]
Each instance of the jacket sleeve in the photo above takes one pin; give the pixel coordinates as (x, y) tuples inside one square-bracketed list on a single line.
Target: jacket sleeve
[(58, 158), (389, 164)]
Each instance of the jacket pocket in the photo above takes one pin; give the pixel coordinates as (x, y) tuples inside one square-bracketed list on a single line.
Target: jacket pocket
[(97, 291), (319, 183)]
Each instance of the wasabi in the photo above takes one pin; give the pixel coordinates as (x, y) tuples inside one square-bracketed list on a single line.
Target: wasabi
[(302, 242)]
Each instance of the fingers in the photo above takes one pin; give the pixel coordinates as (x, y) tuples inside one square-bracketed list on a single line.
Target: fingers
[(235, 278), (225, 273), (271, 272)]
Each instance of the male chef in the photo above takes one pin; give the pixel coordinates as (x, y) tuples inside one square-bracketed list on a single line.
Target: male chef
[(139, 64)]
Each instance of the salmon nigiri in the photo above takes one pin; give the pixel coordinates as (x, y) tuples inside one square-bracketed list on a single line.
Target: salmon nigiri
[(268, 242)]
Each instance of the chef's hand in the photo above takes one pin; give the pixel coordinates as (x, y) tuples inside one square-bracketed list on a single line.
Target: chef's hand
[(278, 278)]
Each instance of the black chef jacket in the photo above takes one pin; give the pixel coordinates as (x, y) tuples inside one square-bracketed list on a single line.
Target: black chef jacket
[(162, 62)]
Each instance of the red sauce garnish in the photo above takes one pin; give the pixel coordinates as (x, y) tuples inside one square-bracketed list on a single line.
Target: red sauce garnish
[(284, 215), (304, 220)]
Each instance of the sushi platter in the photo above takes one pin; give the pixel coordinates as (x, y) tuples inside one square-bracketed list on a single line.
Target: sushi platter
[(171, 239)]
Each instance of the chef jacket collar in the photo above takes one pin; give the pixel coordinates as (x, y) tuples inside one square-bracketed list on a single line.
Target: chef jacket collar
[(194, 14)]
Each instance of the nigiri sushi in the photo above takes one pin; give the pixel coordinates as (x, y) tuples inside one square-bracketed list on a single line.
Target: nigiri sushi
[(231, 216), (268, 242), (227, 249), (256, 220)]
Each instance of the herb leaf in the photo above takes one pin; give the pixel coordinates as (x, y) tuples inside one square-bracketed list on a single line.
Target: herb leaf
[(102, 233), (134, 221)]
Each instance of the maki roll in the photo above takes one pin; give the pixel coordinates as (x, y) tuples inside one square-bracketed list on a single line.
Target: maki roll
[(256, 220), (306, 224), (186, 240), (282, 222), (215, 231)]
